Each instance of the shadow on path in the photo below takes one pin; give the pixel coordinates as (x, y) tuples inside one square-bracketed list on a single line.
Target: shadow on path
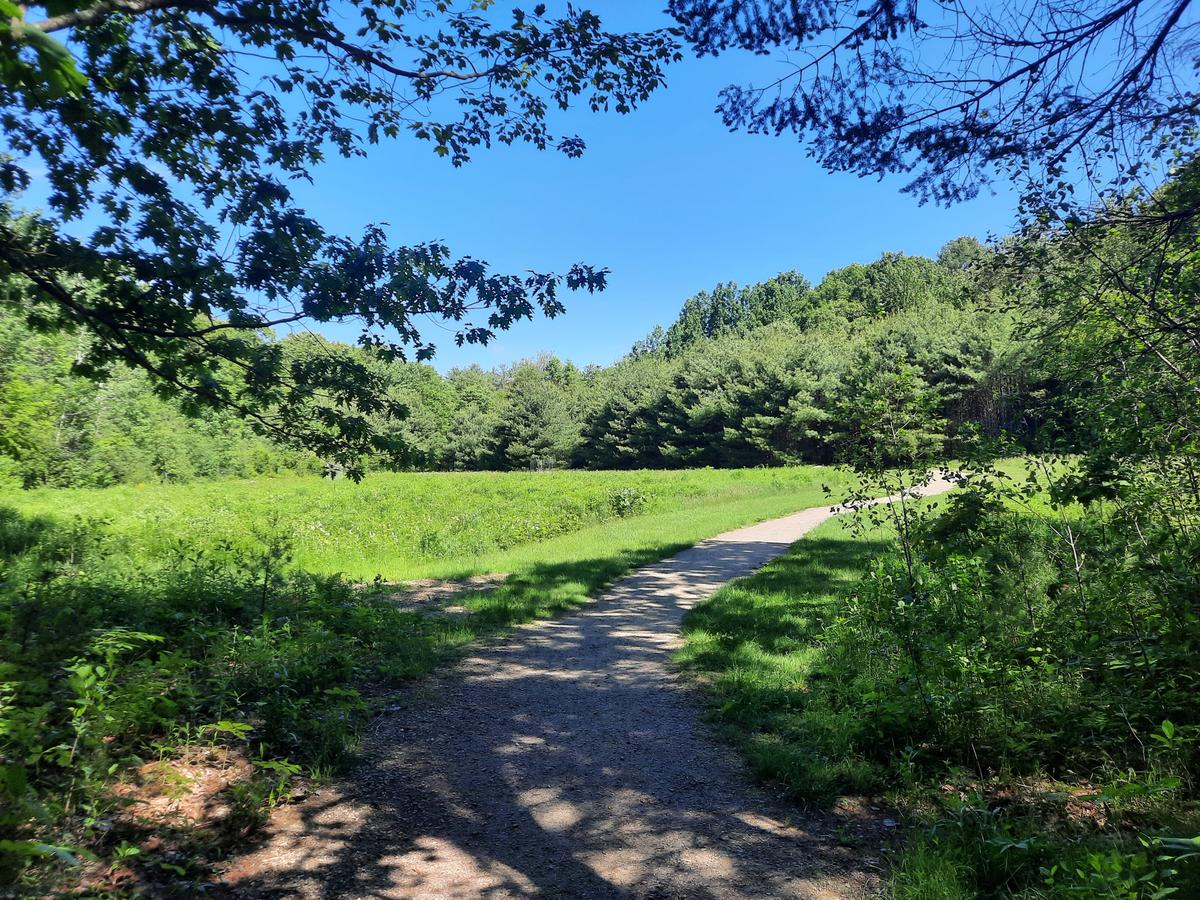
[(567, 761)]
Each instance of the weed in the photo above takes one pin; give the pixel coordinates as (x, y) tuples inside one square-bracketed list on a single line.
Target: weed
[(1023, 688)]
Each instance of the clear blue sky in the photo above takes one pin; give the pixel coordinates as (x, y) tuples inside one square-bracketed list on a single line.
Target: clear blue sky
[(666, 198)]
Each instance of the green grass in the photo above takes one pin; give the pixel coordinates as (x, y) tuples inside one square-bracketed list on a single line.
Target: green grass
[(549, 577), (429, 525), (546, 576), (557, 573), (380, 528), (803, 686), (188, 603), (756, 644), (931, 872)]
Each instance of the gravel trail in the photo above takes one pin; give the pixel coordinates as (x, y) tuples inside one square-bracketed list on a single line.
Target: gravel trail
[(567, 760)]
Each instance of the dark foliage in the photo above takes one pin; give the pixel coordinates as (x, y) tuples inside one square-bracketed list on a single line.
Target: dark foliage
[(154, 127), (1050, 94)]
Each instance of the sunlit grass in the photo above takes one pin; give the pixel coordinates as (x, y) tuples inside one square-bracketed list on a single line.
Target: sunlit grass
[(756, 643), (432, 524)]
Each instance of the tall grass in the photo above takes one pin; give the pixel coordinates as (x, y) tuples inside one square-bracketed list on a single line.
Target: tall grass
[(407, 525)]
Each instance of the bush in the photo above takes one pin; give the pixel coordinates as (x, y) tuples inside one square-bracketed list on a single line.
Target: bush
[(101, 667), (1025, 650), (625, 502), (1011, 658), (1022, 683)]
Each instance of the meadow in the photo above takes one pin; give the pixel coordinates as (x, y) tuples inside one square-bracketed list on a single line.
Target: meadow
[(144, 623), (420, 525)]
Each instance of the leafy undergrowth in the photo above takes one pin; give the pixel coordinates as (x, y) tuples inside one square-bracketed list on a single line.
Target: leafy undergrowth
[(1036, 720), (207, 680)]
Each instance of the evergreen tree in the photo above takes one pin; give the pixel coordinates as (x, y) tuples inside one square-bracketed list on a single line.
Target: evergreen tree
[(540, 419)]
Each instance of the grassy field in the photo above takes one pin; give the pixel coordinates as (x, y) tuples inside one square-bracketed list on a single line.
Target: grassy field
[(431, 524), (151, 623)]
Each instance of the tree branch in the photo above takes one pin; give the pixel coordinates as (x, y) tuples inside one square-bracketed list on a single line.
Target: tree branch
[(98, 11), (361, 55)]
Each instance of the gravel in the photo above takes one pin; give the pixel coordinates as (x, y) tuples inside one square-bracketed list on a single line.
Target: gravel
[(569, 759)]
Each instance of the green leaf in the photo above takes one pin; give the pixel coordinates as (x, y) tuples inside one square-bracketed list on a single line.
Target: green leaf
[(69, 855), (1186, 845), (55, 65)]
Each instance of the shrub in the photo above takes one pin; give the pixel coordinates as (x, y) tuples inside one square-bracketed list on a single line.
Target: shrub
[(625, 502), (102, 667)]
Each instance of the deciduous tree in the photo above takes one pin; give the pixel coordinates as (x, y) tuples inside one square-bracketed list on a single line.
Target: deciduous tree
[(172, 131)]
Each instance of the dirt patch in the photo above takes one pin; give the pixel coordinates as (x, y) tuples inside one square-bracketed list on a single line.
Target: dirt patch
[(173, 816), (1052, 803), (436, 597), (187, 791)]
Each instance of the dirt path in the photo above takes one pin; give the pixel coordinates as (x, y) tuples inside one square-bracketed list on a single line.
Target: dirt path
[(567, 761)]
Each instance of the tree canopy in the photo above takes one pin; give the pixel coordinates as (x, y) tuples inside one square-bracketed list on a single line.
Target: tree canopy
[(955, 94), (746, 375), (170, 132)]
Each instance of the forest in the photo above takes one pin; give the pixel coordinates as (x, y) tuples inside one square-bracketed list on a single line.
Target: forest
[(745, 376)]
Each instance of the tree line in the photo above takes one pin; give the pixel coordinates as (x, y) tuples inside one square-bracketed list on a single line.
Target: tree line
[(766, 374), (169, 164)]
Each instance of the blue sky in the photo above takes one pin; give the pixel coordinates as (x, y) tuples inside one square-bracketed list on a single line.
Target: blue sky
[(666, 198)]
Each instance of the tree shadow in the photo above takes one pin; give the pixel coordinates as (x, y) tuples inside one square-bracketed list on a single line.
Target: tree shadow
[(564, 760)]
